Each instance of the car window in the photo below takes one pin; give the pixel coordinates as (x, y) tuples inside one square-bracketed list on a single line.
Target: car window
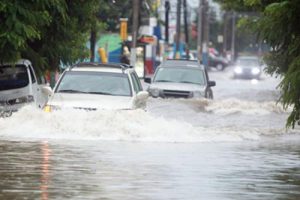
[(13, 77), (95, 83), (33, 80), (136, 82), (180, 75), (248, 62)]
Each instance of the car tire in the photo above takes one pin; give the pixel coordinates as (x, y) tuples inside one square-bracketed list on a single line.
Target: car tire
[(220, 67)]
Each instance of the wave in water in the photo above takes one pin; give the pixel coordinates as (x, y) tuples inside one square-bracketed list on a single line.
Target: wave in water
[(137, 125)]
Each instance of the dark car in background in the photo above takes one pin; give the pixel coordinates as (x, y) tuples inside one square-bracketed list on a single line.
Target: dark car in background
[(215, 60), (218, 62)]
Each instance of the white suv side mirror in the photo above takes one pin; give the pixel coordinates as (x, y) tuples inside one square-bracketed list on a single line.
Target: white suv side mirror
[(47, 90), (142, 95), (141, 99)]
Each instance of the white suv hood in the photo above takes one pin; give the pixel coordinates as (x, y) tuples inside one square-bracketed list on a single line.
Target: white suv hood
[(90, 101)]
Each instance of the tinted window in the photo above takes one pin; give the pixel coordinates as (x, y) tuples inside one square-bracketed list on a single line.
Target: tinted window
[(180, 75), (95, 83), (13, 77)]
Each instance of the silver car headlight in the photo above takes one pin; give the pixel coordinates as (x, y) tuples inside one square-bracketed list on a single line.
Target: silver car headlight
[(238, 70), (154, 92), (255, 71), (198, 94)]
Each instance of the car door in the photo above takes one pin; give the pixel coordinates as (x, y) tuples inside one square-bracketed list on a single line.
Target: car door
[(137, 86), (36, 89), (138, 103)]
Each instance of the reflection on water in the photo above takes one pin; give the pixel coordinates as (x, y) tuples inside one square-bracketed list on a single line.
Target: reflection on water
[(122, 170), (45, 170)]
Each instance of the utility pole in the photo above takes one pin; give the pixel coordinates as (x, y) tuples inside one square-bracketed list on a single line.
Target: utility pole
[(93, 37), (178, 24), (233, 37), (225, 30), (187, 51), (167, 8), (134, 31), (205, 33), (199, 30)]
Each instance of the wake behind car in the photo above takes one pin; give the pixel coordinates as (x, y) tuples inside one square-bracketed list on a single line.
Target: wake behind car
[(19, 86), (247, 67), (181, 79), (93, 86)]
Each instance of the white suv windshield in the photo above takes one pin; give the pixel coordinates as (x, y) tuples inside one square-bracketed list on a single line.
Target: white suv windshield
[(95, 83), (13, 77), (180, 75)]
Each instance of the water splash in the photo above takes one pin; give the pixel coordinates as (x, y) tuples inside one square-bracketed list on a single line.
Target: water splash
[(136, 125)]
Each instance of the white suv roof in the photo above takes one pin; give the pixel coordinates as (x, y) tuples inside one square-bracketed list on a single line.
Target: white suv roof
[(101, 67)]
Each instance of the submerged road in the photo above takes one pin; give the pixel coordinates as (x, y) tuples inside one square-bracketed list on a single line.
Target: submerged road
[(233, 147)]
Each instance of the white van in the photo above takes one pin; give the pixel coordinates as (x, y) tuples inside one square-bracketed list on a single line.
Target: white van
[(19, 86)]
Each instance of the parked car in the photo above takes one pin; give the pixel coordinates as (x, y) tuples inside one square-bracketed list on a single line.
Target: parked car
[(214, 59), (247, 67), (19, 86), (180, 79), (92, 86), (218, 62)]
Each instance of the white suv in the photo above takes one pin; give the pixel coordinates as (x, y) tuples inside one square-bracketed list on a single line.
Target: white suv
[(92, 86)]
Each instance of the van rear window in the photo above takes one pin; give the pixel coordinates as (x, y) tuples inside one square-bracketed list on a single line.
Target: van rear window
[(13, 77)]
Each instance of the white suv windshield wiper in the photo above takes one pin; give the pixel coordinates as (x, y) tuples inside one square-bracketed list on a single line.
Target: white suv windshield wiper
[(70, 91), (77, 91), (104, 93)]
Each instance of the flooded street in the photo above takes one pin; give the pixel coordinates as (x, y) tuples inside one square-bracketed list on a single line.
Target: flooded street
[(233, 147)]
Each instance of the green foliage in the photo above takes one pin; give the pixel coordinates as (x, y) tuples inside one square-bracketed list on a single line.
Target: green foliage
[(110, 13), (20, 22), (46, 32), (278, 26)]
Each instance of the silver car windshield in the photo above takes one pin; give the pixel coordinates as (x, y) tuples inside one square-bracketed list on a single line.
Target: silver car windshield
[(13, 77), (180, 75), (95, 83), (248, 62)]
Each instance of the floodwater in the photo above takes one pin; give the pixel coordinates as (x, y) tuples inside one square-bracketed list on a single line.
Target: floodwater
[(233, 147)]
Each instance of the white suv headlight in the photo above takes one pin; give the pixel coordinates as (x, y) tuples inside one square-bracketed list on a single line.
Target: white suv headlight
[(50, 108)]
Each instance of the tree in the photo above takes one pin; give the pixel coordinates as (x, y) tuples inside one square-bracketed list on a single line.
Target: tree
[(20, 21), (64, 39), (278, 27), (46, 32)]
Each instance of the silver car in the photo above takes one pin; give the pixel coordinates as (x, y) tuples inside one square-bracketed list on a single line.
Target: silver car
[(247, 67), (180, 79)]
